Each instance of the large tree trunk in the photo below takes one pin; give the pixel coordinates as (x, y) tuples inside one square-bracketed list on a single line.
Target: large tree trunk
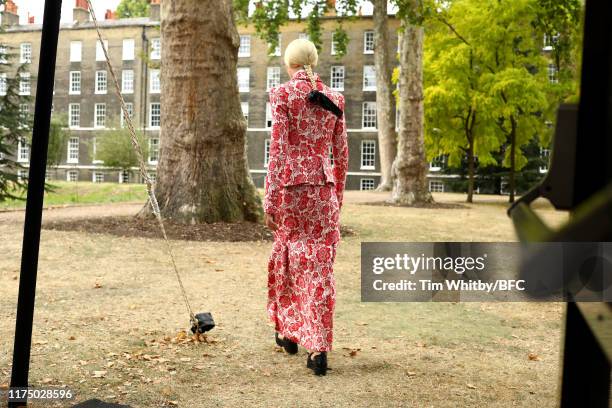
[(471, 171), (512, 182), (410, 166), (202, 175), (385, 104)]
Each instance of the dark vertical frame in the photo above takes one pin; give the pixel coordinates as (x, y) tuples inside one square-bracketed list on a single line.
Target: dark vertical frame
[(36, 181)]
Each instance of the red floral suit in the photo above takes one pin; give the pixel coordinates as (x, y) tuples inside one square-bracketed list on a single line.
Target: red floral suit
[(303, 191)]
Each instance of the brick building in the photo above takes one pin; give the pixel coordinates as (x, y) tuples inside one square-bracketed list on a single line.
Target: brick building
[(85, 93)]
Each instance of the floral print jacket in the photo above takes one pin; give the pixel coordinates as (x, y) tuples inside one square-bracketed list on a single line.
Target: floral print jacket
[(303, 135)]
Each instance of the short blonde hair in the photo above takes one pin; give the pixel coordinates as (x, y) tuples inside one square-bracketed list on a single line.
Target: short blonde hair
[(301, 52)]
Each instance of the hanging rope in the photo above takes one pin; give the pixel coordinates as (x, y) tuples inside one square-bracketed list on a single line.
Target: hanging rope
[(143, 168)]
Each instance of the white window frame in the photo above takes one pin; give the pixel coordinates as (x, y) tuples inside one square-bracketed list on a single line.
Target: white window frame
[(69, 174), (23, 150), (553, 74), (367, 161), (3, 83), (127, 81), (151, 125), (367, 106), (74, 115), (155, 48), (95, 178), (369, 78), (367, 42), (97, 115), (273, 78), (130, 108), (24, 114), (124, 177), (436, 186), (433, 164), (245, 110), (76, 51), (74, 82), (25, 53), (72, 153), (101, 85), (244, 50), (370, 187), (244, 79), (153, 147), (267, 143), (127, 50), (25, 83), (339, 78), (277, 50), (332, 46), (268, 124), (154, 81), (545, 155), (100, 51)]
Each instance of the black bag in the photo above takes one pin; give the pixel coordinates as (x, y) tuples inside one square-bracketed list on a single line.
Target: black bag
[(205, 323)]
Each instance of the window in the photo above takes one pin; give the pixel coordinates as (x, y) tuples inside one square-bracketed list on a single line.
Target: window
[(75, 51), (333, 45), (337, 78), (3, 54), (75, 83), (25, 86), (3, 84), (128, 49), (304, 36), (129, 106), (545, 156), (273, 77), (553, 74), (243, 79), (369, 115), (97, 177), (368, 42), (101, 83), (155, 48), (73, 150), (74, 115), (245, 46), (368, 154), (245, 110), (153, 150), (26, 53), (23, 150), (266, 152), (369, 78), (22, 174), (100, 115), (550, 41), (438, 163), (154, 80), (72, 175), (268, 115), (366, 184), (155, 115), (152, 177), (100, 51), (24, 114), (127, 81), (436, 186), (124, 176), (277, 51)]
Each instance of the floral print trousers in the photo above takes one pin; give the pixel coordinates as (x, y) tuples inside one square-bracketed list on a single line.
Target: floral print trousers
[(301, 285)]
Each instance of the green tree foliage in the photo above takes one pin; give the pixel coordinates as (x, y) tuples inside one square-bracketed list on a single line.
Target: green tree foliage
[(14, 126), (487, 82), (114, 148), (133, 8)]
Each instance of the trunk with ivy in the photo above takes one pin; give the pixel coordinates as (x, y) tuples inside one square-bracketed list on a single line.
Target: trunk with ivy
[(410, 167), (202, 175), (385, 106)]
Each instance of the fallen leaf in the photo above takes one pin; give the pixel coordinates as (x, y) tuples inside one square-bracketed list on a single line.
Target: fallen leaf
[(99, 374), (471, 386), (97, 285), (533, 357), (71, 338), (185, 359)]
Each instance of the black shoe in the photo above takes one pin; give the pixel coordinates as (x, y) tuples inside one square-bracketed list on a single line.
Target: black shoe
[(289, 346), (318, 363)]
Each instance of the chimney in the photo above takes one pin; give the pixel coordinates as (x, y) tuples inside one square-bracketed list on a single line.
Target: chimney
[(109, 15), (80, 13), (154, 10), (330, 8), (30, 19), (9, 15)]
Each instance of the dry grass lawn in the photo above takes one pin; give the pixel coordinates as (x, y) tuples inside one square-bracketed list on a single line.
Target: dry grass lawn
[(109, 315)]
